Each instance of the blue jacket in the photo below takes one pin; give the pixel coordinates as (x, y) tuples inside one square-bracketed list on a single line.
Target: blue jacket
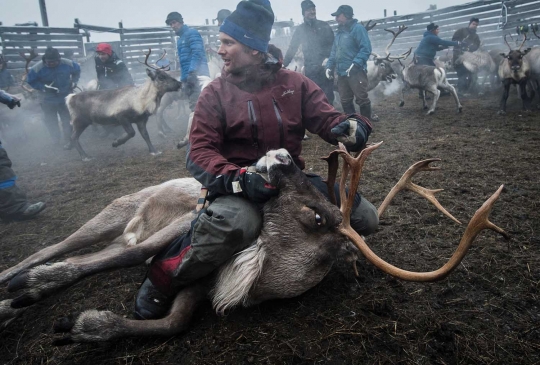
[(191, 53), (430, 44), (351, 45), (61, 77), (5, 98)]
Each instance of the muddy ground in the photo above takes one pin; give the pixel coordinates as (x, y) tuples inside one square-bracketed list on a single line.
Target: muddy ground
[(486, 312)]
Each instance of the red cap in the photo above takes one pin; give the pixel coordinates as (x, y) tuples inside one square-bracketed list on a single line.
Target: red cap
[(104, 48)]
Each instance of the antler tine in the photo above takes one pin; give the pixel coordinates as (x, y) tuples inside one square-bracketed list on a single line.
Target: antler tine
[(164, 68), (401, 29), (534, 32), (369, 26), (478, 223), (333, 165), (147, 55), (405, 183), (401, 56), (524, 40), (505, 41)]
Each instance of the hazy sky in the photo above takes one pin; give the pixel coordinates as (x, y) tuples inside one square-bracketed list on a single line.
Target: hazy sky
[(141, 13)]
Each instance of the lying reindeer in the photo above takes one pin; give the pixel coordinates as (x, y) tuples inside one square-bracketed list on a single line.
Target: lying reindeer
[(122, 106), (427, 78), (515, 70), (302, 236)]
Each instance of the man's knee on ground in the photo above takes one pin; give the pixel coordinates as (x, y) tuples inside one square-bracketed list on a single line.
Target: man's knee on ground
[(365, 219)]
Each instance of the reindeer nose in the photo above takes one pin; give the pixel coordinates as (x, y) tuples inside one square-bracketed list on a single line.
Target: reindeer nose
[(283, 158)]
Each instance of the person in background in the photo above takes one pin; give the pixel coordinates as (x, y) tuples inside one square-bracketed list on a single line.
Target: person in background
[(111, 71), (56, 77), (350, 53), (316, 38), (13, 203), (470, 42)]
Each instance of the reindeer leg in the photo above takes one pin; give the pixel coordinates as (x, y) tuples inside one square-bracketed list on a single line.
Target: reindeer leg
[(404, 88), (105, 226), (79, 126), (452, 91), (45, 280), (93, 326), (424, 103), (436, 94), (141, 126), (504, 98), (130, 133)]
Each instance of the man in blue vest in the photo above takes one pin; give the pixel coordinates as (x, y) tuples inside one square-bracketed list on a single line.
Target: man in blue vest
[(350, 53), (56, 77), (13, 203), (193, 62)]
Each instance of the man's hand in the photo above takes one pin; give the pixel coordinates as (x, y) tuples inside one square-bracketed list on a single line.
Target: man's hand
[(324, 62), (13, 103), (254, 187), (350, 134), (192, 79), (351, 69), (329, 74)]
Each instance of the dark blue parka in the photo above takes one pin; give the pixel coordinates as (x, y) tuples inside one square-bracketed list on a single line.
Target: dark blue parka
[(191, 53), (430, 44), (351, 45), (61, 77)]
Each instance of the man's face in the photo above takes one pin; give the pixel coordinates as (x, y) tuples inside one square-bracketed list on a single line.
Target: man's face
[(51, 63), (341, 19), (234, 56), (436, 31), (103, 56), (310, 13), (473, 25), (175, 25)]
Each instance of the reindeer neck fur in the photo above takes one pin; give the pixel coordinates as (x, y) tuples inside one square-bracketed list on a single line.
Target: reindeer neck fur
[(148, 98)]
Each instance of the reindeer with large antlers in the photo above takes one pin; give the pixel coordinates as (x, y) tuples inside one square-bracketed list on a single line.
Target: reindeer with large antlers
[(121, 107), (303, 234), (515, 70)]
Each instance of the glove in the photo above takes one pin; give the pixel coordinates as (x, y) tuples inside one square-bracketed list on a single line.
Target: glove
[(350, 69), (13, 103), (352, 135), (192, 79), (329, 74), (254, 187), (324, 62)]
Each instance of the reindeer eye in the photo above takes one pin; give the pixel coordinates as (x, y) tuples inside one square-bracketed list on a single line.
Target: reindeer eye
[(319, 220)]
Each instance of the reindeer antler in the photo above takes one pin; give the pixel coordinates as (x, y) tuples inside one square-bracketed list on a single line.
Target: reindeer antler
[(147, 55), (524, 40), (369, 26), (28, 59), (400, 30), (478, 223)]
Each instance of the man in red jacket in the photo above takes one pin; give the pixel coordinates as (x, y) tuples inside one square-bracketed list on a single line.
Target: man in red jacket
[(255, 106)]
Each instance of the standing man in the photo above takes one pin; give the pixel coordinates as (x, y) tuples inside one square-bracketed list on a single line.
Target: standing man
[(254, 106), (222, 15), (349, 56), (13, 203), (111, 72), (56, 77), (316, 38), (193, 62), (470, 42)]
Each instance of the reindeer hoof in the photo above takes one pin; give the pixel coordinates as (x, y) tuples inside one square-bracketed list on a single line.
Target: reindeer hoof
[(18, 282), (162, 135), (460, 109), (426, 108), (86, 159), (431, 112), (157, 153), (65, 324), (182, 144), (501, 112), (401, 103)]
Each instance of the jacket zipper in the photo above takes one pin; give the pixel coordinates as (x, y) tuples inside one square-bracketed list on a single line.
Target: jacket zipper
[(280, 123), (253, 120)]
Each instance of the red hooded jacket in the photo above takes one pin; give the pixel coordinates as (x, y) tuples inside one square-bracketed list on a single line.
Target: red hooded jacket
[(238, 118)]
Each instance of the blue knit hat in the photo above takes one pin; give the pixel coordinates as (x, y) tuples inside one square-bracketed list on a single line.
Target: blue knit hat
[(250, 24)]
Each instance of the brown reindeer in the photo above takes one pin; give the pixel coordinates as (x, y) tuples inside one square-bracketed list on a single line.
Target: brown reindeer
[(302, 236)]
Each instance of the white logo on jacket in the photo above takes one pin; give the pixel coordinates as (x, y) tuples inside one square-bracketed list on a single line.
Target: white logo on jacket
[(287, 92)]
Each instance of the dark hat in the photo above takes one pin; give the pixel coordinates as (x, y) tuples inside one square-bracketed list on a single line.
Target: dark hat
[(174, 16), (431, 27), (345, 10), (222, 14), (474, 19), (306, 4), (51, 54), (250, 24)]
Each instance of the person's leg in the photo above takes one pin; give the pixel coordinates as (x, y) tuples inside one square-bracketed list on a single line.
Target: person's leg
[(346, 95), (13, 203), (50, 118), (358, 82), (317, 75), (227, 226), (463, 79)]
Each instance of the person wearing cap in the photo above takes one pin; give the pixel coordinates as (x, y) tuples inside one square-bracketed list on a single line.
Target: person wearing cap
[(13, 203), (222, 15), (112, 72), (350, 53), (193, 63), (255, 105), (56, 77), (470, 43), (430, 45), (316, 38)]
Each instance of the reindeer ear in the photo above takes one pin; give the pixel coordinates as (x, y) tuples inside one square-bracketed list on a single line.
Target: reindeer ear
[(151, 74), (503, 54)]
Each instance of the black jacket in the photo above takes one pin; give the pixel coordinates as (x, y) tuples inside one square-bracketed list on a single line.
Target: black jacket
[(470, 40), (316, 38), (112, 74)]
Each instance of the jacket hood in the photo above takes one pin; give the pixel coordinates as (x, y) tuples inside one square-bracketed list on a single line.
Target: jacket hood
[(428, 33)]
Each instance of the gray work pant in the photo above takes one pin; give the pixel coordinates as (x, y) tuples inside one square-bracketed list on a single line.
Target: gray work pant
[(351, 87)]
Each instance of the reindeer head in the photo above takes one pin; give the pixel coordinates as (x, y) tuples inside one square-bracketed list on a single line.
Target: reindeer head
[(515, 56), (384, 64)]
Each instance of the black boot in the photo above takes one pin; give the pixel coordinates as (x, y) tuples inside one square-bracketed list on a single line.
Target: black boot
[(365, 111), (151, 303)]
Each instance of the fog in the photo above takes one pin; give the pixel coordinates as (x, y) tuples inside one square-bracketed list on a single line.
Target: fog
[(139, 13)]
